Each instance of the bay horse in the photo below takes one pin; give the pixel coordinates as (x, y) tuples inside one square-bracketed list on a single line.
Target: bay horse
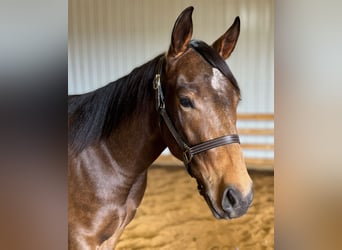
[(186, 100)]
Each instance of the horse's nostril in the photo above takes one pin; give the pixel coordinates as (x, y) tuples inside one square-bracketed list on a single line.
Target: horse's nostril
[(232, 197), (234, 204)]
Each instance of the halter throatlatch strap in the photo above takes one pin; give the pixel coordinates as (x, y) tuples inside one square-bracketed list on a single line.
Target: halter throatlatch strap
[(188, 151)]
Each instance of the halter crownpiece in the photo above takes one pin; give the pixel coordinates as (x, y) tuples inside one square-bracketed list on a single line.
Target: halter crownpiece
[(188, 151)]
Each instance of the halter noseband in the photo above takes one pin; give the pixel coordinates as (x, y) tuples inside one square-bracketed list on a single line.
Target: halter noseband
[(188, 151)]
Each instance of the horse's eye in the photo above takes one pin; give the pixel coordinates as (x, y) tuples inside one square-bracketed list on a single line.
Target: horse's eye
[(186, 102)]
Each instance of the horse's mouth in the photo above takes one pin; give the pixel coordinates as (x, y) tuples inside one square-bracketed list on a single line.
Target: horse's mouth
[(202, 190), (229, 213)]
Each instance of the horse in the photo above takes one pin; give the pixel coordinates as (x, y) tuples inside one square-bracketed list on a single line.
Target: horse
[(185, 99)]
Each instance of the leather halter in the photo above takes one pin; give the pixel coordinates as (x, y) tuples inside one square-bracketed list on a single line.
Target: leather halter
[(188, 151)]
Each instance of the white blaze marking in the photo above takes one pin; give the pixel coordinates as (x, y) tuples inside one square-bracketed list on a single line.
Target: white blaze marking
[(216, 80)]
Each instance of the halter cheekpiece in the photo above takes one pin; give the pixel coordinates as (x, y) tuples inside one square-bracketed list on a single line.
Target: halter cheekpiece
[(188, 151)]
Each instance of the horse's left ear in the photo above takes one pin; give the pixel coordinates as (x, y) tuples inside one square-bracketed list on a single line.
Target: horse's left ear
[(226, 43)]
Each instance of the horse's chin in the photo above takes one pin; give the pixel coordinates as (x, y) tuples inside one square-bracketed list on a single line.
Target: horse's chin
[(215, 211)]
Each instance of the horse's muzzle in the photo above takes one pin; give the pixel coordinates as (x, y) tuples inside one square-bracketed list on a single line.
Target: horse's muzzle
[(234, 204)]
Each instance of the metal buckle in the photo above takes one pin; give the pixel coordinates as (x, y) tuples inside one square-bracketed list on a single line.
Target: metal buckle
[(187, 156), (156, 81)]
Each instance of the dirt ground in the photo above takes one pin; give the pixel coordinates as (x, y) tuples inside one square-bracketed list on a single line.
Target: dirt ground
[(174, 216)]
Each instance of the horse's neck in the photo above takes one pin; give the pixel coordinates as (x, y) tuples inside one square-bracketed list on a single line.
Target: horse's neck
[(137, 142)]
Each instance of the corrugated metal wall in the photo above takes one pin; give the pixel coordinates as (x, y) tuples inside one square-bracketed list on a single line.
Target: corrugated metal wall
[(108, 38)]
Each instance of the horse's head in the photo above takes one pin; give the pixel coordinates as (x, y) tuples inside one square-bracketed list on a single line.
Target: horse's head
[(201, 98)]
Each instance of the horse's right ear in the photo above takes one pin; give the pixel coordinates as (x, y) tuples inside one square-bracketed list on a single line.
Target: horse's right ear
[(181, 33)]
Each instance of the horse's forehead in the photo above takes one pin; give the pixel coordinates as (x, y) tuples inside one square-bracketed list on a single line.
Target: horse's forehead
[(193, 66), (196, 69)]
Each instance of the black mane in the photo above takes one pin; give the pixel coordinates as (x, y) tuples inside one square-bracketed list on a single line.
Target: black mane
[(94, 115), (215, 60)]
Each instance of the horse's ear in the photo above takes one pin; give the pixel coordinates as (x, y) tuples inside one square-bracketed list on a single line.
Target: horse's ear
[(226, 43), (181, 33)]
